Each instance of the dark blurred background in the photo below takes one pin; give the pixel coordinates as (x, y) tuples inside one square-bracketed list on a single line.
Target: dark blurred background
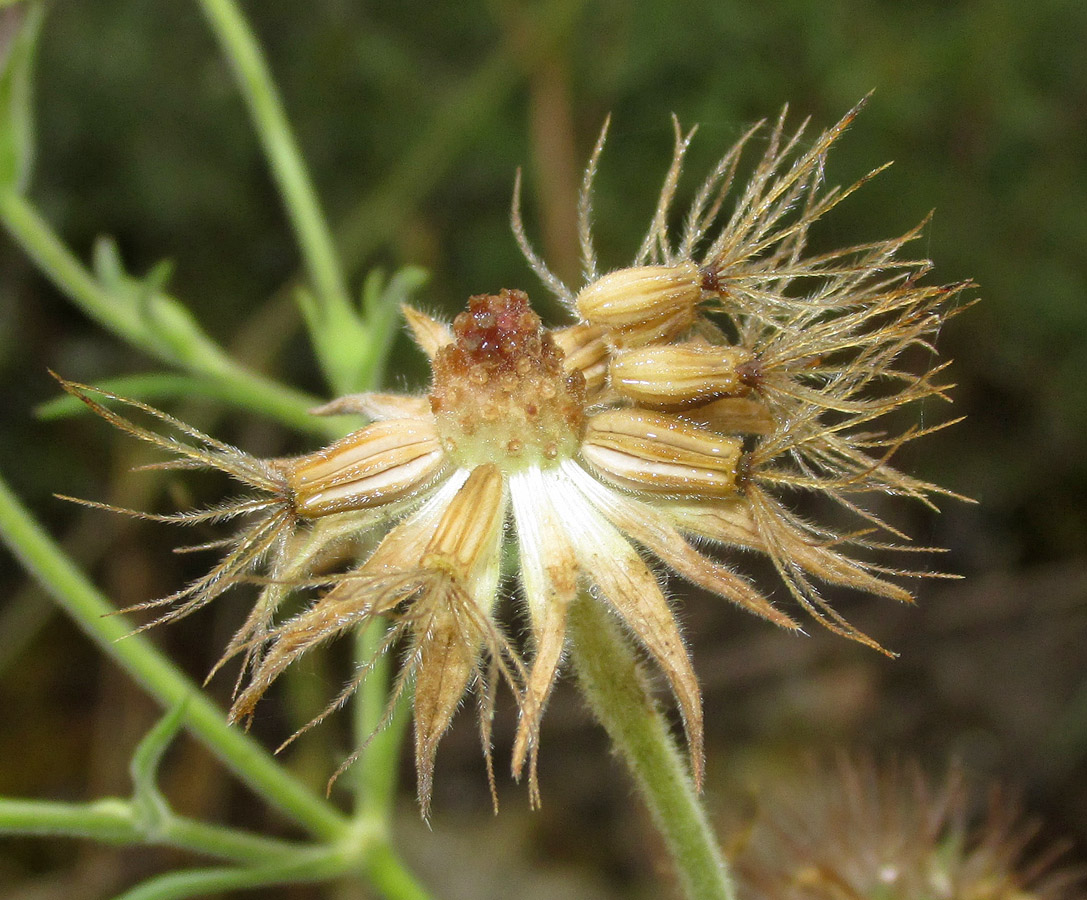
[(413, 118)]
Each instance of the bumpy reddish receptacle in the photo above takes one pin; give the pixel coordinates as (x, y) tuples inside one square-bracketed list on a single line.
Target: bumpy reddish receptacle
[(500, 392)]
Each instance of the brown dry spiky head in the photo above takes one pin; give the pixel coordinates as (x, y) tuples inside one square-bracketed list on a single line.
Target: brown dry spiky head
[(856, 830), (702, 388)]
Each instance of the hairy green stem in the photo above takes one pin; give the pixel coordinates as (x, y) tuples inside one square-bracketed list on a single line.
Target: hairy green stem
[(240, 46), (615, 685)]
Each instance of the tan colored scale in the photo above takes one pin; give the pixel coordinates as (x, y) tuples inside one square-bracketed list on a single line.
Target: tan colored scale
[(644, 304), (383, 462), (662, 454), (468, 525), (679, 375), (501, 393)]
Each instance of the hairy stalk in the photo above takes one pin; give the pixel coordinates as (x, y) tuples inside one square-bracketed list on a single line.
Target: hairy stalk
[(614, 683)]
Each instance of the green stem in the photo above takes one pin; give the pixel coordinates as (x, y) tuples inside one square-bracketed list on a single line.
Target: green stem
[(109, 821), (94, 615), (377, 765), (319, 865), (255, 81), (615, 685), (60, 266), (200, 354), (386, 872), (114, 820)]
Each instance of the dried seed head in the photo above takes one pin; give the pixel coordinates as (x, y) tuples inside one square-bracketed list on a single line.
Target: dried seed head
[(855, 829), (762, 346), (659, 453), (678, 375), (383, 462), (644, 303), (501, 393)]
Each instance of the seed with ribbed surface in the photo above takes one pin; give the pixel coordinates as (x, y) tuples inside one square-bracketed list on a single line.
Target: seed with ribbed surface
[(585, 351), (468, 525), (382, 462), (643, 304), (649, 451), (678, 374)]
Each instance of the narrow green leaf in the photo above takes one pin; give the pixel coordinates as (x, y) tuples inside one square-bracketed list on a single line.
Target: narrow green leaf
[(381, 302), (311, 309), (156, 280), (172, 325), (107, 265), (146, 295), (285, 405), (378, 296), (148, 801)]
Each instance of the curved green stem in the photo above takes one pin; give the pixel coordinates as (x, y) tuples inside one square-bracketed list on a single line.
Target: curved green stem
[(110, 821), (318, 865), (113, 820), (178, 341), (387, 874), (615, 685), (93, 614), (59, 265), (241, 48)]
